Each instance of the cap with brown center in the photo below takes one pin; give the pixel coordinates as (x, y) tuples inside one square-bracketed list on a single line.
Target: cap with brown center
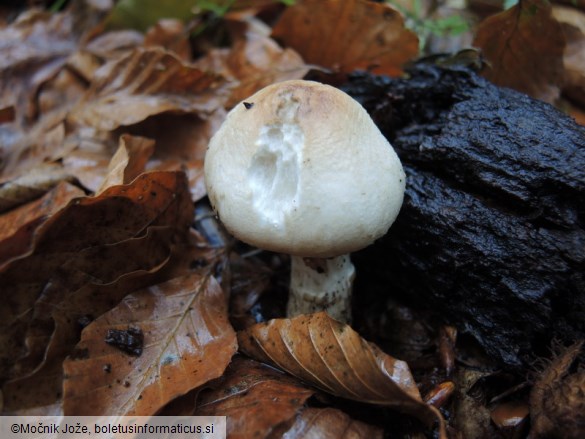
[(301, 168)]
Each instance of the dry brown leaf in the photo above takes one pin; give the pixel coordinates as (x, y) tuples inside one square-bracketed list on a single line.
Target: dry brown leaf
[(143, 83), (63, 90), (55, 261), (172, 35), (90, 286), (187, 341), (347, 35), (81, 306), (128, 161), (35, 142), (89, 163), (17, 227), (38, 84), (333, 357), (181, 137), (25, 148), (329, 423), (33, 49), (114, 44), (255, 398), (524, 48), (181, 143), (253, 61), (31, 185)]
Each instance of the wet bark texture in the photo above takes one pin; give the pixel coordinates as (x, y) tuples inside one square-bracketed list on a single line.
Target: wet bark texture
[(492, 231)]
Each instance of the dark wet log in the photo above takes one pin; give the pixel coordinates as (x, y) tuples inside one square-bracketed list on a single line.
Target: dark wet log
[(492, 231)]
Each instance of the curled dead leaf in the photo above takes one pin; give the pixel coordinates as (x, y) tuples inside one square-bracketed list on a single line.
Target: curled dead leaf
[(333, 357), (324, 33), (128, 161)]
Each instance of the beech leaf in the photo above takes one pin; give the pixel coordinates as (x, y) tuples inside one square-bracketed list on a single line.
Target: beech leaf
[(34, 184), (524, 48), (128, 161), (17, 226), (75, 246), (34, 47), (330, 423), (333, 357), (348, 35), (255, 398), (145, 82), (181, 338), (254, 61)]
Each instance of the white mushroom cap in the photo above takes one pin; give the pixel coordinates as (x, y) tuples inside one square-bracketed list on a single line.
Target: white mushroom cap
[(301, 168)]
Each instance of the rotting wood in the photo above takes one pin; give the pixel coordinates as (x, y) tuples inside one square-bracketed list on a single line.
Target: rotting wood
[(492, 231)]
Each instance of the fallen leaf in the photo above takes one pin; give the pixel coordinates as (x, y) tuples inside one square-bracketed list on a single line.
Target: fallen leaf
[(253, 61), (92, 225), (128, 161), (255, 398), (71, 302), (172, 35), (30, 148), (31, 185), (187, 342), (143, 83), (179, 137), (329, 423), (88, 161), (39, 139), (114, 44), (348, 35), (524, 48), (181, 148), (60, 93), (17, 226), (33, 49), (333, 357), (80, 307)]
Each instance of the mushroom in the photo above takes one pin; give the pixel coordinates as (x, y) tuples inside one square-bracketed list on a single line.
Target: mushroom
[(301, 168)]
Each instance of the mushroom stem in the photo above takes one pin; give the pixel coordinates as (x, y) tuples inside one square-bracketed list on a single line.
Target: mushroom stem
[(321, 285)]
